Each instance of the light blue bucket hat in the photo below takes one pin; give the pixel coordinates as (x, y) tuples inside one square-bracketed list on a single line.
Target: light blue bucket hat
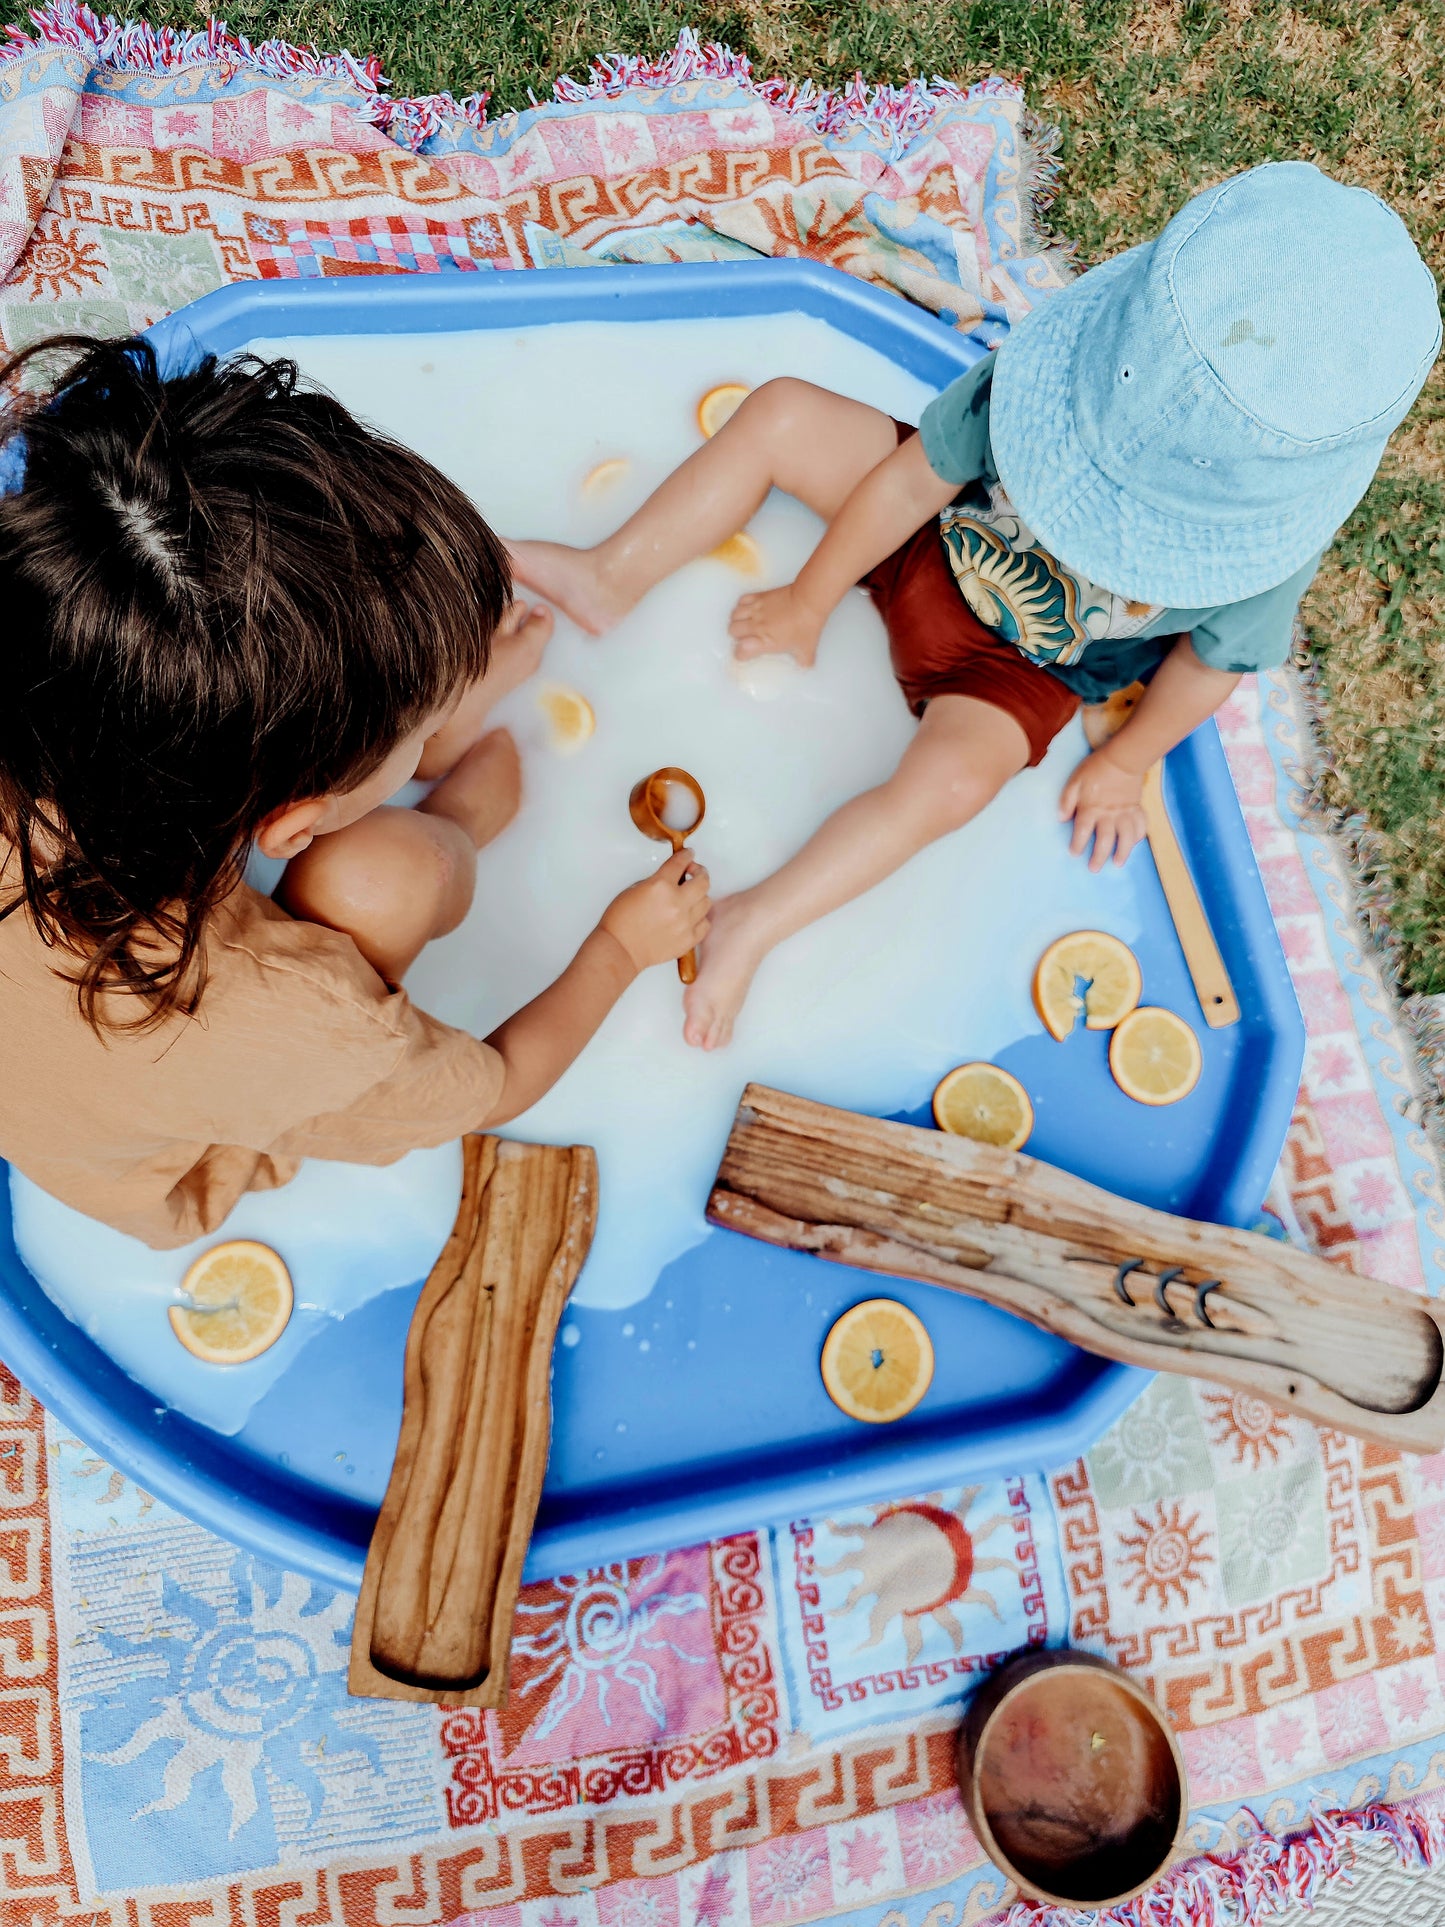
[(1191, 422)]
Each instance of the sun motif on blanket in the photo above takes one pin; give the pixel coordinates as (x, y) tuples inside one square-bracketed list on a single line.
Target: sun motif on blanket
[(1247, 1425), (59, 261), (1167, 1555), (594, 1639), (917, 1562), (247, 1693), (1021, 594)]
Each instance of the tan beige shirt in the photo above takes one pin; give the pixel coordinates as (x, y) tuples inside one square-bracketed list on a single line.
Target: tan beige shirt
[(298, 1050)]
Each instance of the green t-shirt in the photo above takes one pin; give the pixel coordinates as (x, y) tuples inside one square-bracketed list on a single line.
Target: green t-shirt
[(1089, 638)]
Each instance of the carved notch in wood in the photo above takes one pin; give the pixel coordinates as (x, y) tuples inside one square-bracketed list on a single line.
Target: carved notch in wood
[(435, 1614)]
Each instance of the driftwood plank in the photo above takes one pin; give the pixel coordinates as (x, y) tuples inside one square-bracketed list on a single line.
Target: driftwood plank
[(435, 1614), (1304, 1335)]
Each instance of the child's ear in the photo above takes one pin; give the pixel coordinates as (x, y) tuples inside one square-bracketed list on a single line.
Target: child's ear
[(287, 832)]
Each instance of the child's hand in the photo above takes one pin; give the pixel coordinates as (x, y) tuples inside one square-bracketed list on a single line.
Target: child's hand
[(1106, 802), (664, 916), (775, 622)]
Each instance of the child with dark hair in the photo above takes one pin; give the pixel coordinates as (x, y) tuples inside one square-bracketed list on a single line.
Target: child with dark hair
[(236, 616)]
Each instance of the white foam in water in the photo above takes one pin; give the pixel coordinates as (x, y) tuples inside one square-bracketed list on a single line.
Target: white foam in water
[(864, 1010)]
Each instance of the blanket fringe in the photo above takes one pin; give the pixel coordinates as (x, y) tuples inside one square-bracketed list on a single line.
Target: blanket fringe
[(1267, 1877), (133, 46), (888, 116)]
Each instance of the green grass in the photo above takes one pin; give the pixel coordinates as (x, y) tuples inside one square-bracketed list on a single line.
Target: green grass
[(1154, 101)]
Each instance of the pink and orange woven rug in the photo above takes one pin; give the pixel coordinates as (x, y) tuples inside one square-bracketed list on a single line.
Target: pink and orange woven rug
[(755, 1732)]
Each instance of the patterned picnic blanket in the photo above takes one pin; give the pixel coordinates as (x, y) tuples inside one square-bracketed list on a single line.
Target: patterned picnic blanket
[(757, 1731)]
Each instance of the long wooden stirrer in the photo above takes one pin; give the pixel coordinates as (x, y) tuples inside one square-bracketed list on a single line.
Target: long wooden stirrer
[(1114, 1277), (1207, 969), (440, 1588)]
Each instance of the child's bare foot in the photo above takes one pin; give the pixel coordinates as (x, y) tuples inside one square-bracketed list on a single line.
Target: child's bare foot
[(484, 791), (522, 635), (573, 579), (734, 948)]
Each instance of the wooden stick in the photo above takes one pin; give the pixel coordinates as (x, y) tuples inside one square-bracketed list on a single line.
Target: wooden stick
[(1207, 969), (1306, 1336), (440, 1588), (1206, 966)]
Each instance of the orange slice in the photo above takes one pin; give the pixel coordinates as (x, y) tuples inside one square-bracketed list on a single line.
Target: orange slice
[(719, 405), (740, 552), (1155, 1056), (239, 1299), (877, 1361), (606, 475), (570, 717), (982, 1102), (1109, 969)]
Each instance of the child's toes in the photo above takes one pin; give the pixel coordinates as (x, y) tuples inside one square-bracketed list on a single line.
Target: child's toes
[(698, 1019)]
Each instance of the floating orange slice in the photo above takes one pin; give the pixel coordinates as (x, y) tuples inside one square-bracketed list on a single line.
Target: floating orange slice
[(877, 1361), (606, 475), (719, 405), (1155, 1056), (1109, 970), (740, 552), (984, 1103), (570, 717), (239, 1299)]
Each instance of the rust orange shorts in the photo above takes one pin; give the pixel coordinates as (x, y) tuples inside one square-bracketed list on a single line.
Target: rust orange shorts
[(940, 648)]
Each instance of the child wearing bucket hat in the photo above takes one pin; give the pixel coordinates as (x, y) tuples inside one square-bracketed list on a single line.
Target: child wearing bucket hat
[(1140, 482)]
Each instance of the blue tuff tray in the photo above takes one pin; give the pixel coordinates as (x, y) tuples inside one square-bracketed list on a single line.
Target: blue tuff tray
[(723, 1424)]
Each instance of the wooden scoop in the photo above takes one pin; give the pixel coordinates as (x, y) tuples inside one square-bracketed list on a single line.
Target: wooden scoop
[(434, 1619), (648, 804), (1201, 953), (1112, 1276)]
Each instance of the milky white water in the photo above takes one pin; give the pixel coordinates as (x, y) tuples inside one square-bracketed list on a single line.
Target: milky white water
[(865, 1010)]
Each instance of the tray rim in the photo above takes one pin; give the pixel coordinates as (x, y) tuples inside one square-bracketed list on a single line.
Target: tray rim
[(303, 1527)]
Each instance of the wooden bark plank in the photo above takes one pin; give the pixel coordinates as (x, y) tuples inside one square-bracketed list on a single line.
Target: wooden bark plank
[(1311, 1338), (434, 1618)]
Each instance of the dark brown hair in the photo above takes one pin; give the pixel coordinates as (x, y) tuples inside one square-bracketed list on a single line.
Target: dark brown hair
[(220, 593)]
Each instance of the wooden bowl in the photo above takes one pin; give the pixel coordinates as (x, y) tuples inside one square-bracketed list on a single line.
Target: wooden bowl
[(1073, 1779)]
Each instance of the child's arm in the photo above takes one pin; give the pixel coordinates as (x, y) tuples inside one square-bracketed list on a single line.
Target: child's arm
[(655, 921), (1104, 795), (892, 502)]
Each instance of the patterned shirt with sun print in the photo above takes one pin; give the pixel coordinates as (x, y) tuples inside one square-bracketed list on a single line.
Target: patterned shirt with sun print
[(1090, 638)]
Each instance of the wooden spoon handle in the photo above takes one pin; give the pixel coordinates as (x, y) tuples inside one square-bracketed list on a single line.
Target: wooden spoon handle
[(1201, 953)]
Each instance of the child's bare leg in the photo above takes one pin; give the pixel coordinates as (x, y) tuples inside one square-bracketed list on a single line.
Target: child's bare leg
[(398, 878), (788, 434), (517, 648), (964, 753)]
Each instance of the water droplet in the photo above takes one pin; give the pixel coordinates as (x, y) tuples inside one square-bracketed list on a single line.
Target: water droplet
[(571, 1335), (645, 1345), (692, 1344), (622, 1425), (599, 1453), (628, 1330)]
